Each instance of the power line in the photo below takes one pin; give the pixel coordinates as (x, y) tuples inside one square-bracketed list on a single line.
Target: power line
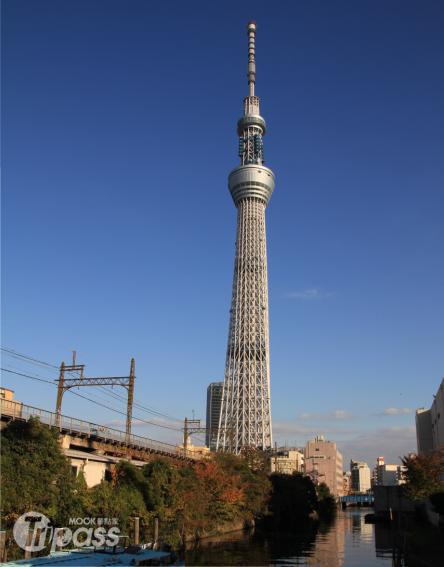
[(27, 376), (32, 360), (16, 354), (123, 413), (91, 400), (138, 405)]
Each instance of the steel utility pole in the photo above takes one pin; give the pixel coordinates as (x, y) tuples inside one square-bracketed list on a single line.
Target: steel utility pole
[(64, 384), (190, 426)]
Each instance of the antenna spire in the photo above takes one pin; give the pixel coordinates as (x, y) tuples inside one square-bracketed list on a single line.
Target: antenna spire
[(251, 29)]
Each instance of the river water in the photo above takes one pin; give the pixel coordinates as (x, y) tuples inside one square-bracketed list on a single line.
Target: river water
[(347, 542)]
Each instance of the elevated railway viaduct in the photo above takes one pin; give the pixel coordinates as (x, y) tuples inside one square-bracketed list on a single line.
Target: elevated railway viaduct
[(95, 448)]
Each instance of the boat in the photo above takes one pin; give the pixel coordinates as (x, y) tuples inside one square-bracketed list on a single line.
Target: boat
[(137, 555)]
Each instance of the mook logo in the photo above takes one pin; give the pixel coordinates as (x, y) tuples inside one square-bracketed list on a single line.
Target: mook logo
[(33, 532)]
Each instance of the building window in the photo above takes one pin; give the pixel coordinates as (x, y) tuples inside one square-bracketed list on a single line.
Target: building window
[(74, 471)]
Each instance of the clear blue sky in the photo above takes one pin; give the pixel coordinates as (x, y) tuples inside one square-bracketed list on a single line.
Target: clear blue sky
[(118, 229)]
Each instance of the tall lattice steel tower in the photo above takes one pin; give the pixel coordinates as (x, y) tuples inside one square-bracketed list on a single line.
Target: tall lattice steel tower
[(245, 418)]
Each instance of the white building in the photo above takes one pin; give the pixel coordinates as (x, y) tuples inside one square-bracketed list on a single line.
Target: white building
[(360, 476), (387, 475), (430, 424), (93, 466)]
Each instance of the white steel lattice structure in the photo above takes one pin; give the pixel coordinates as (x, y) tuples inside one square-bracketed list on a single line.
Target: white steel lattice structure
[(245, 419)]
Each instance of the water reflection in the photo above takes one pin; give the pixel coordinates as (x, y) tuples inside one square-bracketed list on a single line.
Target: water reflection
[(347, 542), (384, 541)]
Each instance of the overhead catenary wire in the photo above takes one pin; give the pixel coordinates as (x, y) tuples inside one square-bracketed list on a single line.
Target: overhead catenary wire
[(138, 405), (27, 376), (32, 360), (16, 354), (140, 419)]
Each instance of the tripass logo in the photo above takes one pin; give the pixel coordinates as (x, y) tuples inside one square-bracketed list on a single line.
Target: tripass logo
[(33, 532)]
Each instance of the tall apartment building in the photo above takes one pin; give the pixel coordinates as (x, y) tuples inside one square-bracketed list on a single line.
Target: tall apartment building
[(360, 476), (287, 461), (323, 463), (214, 400), (430, 424)]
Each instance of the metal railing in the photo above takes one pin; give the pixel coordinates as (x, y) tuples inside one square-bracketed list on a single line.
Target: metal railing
[(358, 498), (17, 410)]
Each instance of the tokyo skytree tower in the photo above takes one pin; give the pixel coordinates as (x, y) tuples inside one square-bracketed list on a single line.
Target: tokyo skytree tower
[(245, 419)]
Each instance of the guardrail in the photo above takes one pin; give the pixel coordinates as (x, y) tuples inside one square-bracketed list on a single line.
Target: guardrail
[(17, 410)]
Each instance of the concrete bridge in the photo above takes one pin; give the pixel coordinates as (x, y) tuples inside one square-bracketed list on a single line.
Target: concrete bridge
[(93, 448)]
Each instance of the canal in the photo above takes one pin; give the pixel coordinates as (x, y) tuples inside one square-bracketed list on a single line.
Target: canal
[(347, 542)]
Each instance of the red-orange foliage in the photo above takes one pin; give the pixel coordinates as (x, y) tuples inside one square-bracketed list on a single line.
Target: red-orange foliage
[(233, 495), (227, 488)]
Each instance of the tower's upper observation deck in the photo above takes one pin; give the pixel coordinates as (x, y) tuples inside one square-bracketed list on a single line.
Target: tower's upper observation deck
[(252, 178)]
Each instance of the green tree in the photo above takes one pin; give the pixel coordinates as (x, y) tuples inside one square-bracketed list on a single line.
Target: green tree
[(123, 501), (293, 498), (423, 475), (159, 488), (191, 505), (326, 502), (35, 473)]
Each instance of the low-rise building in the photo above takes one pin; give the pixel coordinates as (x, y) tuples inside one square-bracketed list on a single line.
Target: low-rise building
[(287, 461), (6, 394), (9, 406), (94, 467), (360, 476), (196, 450), (323, 463)]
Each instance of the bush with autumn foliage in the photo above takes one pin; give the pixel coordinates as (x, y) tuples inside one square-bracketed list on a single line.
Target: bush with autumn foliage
[(189, 500)]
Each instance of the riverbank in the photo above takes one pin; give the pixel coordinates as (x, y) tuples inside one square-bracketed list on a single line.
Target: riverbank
[(174, 503)]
